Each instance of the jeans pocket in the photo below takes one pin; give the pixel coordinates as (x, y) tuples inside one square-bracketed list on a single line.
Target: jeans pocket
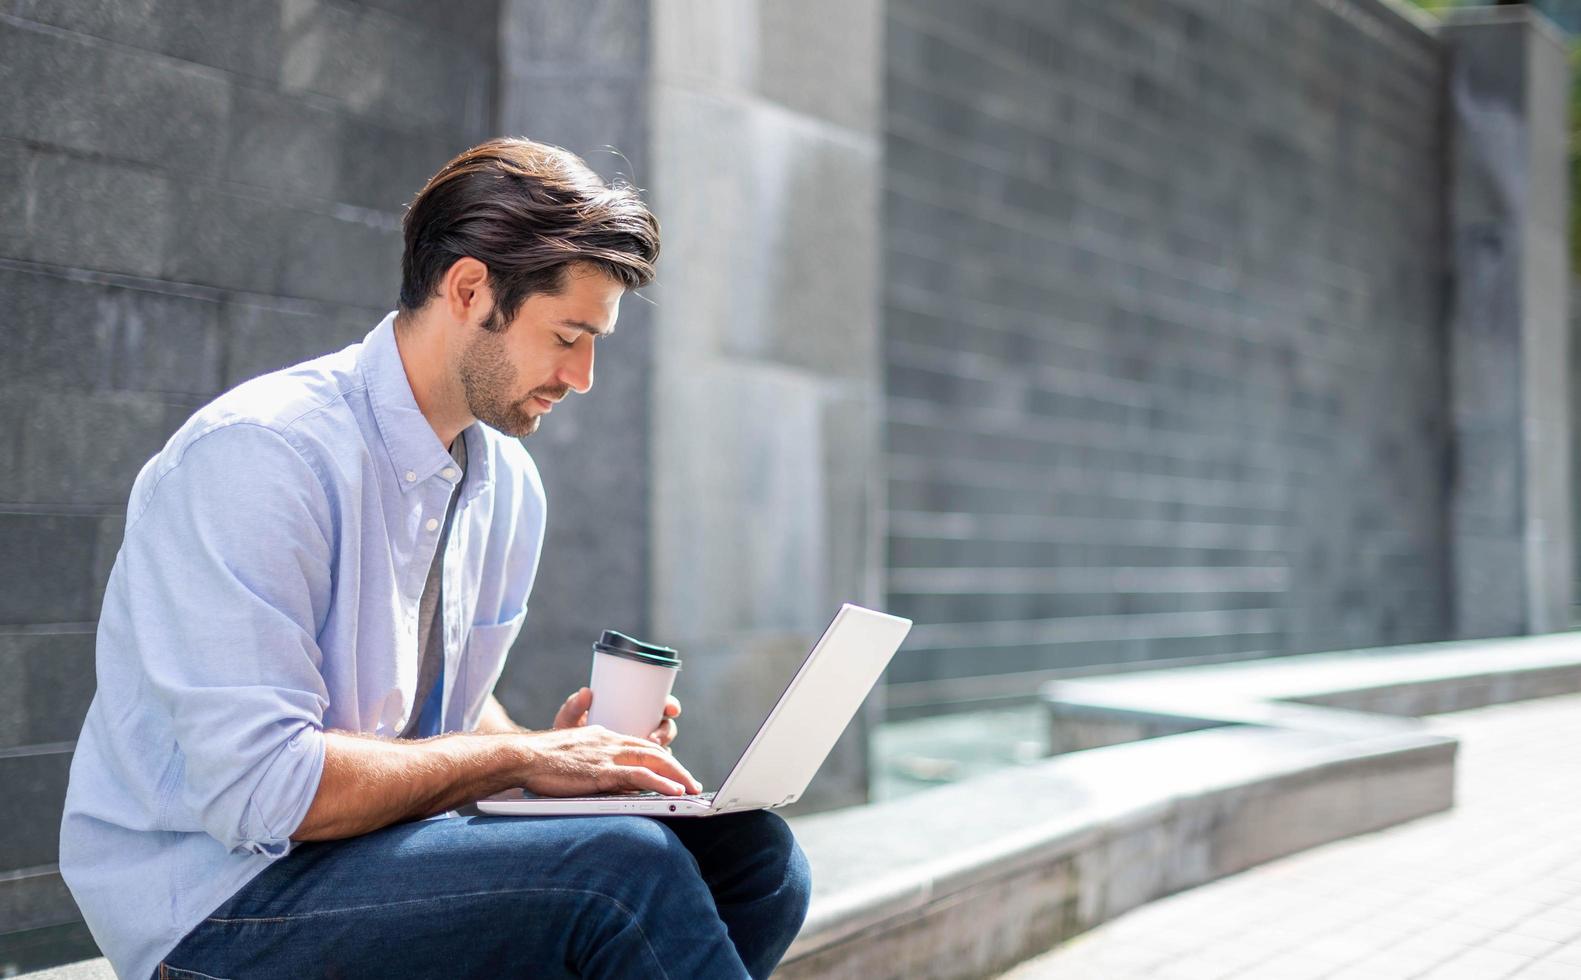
[(167, 972)]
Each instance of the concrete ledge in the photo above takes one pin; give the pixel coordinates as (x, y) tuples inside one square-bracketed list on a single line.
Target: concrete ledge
[(969, 879), (1403, 681)]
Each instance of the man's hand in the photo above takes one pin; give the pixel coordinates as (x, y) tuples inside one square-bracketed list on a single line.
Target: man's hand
[(575, 759), (573, 714)]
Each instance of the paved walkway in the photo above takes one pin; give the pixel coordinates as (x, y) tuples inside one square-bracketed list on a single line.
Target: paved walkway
[(1488, 890)]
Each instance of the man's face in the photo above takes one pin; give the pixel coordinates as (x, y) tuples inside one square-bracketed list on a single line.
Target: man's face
[(512, 377)]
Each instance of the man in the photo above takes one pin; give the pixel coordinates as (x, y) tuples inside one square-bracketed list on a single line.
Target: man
[(321, 575)]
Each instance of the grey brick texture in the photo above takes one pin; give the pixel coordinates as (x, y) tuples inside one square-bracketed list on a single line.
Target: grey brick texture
[(191, 194), (1165, 374)]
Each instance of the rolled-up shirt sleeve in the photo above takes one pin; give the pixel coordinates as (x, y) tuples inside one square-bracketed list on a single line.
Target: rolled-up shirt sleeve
[(229, 571)]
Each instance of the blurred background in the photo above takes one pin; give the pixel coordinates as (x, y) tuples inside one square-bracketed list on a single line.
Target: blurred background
[(1091, 336)]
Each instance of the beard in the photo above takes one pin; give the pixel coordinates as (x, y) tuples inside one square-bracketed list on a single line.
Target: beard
[(488, 380)]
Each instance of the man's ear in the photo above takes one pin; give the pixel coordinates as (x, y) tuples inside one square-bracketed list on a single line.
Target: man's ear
[(465, 289)]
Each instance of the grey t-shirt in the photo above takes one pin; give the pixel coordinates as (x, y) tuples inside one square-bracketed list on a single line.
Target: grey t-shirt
[(430, 619)]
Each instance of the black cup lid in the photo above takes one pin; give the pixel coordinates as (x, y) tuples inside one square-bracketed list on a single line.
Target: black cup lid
[(621, 645)]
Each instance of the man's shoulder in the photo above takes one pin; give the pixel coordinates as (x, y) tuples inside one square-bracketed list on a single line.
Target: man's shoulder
[(294, 395), (305, 406)]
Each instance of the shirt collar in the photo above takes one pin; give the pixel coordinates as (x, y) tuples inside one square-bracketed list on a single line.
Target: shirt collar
[(414, 451)]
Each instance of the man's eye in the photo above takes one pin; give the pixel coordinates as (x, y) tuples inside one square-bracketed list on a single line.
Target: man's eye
[(564, 342)]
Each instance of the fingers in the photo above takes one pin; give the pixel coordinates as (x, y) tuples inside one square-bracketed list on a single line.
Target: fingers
[(573, 713), (594, 759), (638, 778), (674, 770), (666, 769), (665, 733)]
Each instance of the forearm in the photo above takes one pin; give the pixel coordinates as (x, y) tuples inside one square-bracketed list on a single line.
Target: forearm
[(370, 782)]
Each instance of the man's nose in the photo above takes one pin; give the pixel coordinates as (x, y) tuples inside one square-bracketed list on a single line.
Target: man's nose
[(577, 371)]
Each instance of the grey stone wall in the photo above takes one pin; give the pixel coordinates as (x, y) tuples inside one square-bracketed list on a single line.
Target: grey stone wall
[(1509, 331), (1163, 302), (191, 194)]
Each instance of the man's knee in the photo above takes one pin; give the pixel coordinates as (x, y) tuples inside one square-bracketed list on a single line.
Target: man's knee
[(632, 842), (770, 854), (778, 842), (798, 870)]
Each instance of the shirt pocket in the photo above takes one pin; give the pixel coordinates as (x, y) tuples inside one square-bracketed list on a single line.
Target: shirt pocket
[(484, 659)]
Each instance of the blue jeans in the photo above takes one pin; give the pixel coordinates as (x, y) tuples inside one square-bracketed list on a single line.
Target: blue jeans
[(490, 896)]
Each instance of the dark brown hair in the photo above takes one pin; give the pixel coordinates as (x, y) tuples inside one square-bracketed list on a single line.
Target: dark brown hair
[(525, 210)]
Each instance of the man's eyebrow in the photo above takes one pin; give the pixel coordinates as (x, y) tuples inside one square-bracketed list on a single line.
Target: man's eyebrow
[(578, 324)]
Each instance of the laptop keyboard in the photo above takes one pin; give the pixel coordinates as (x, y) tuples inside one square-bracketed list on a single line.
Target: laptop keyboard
[(707, 797)]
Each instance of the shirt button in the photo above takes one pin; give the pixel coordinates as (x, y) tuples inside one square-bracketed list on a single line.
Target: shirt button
[(448, 472), (410, 476), (433, 524)]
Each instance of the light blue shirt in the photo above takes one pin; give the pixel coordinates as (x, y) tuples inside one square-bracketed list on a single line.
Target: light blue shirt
[(266, 590)]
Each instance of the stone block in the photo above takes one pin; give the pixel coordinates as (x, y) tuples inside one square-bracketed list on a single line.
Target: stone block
[(353, 259), (803, 294), (1506, 136), (474, 22), (711, 44), (83, 213), (384, 68), (601, 37), (50, 682), (264, 338), (286, 145), (1488, 594), (823, 59), (738, 502), (78, 93), (107, 548), (34, 901), (126, 23), (49, 335), (853, 506), (82, 449), (1031, 911), (16, 165), (166, 343), (70, 333), (382, 167), (229, 237), (49, 569), (1136, 866), (31, 807), (245, 39)]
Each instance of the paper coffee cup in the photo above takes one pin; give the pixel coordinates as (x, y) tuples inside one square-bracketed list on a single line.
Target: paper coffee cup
[(631, 683)]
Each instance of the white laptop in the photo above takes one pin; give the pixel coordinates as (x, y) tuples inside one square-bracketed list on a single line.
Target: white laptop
[(792, 743)]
